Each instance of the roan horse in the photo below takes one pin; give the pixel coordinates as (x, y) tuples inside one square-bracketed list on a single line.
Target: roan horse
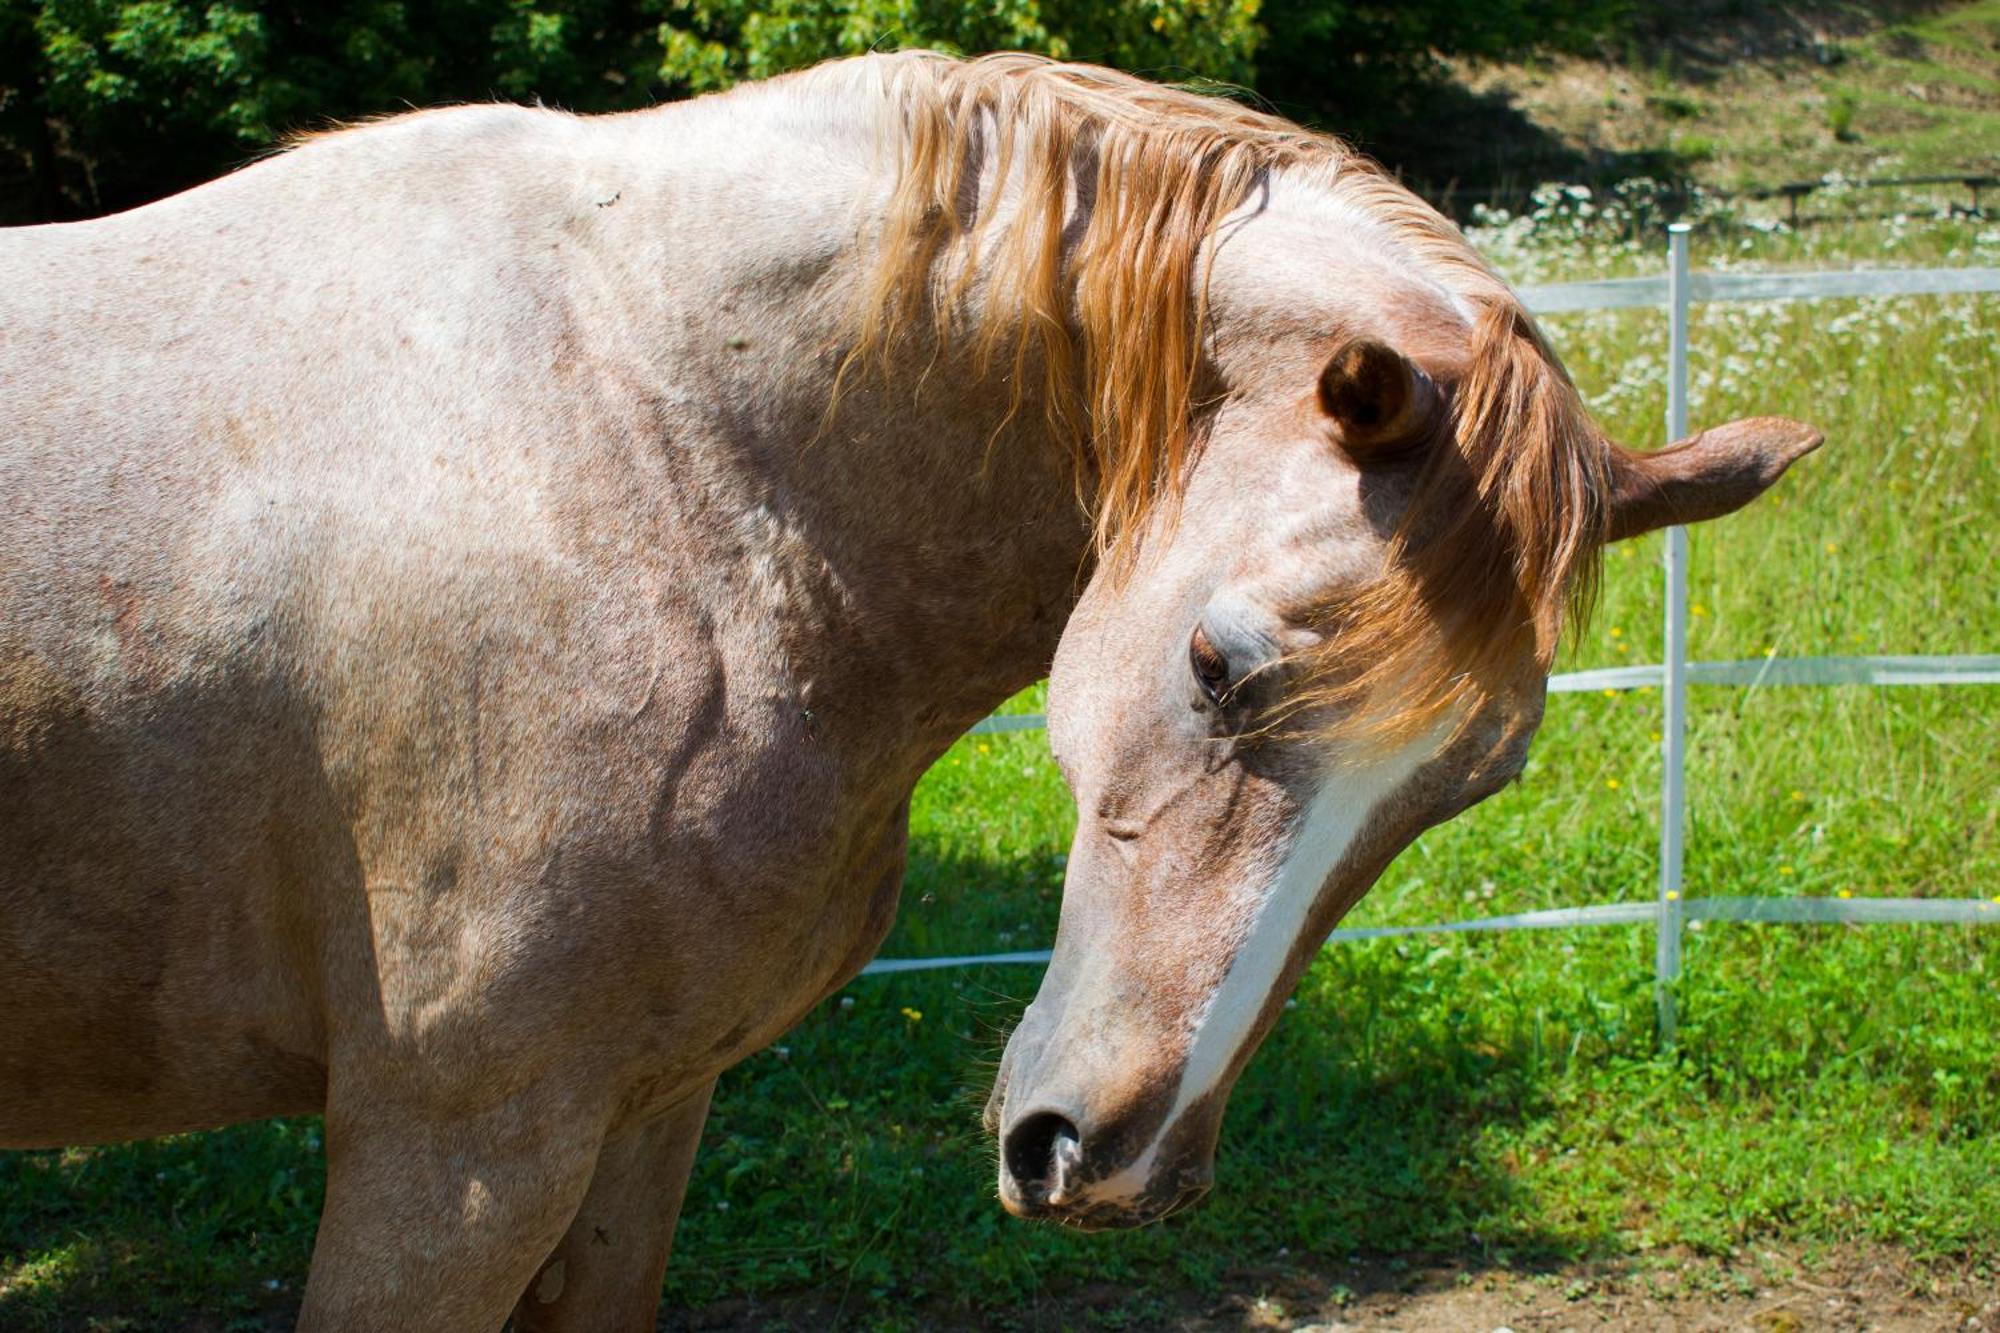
[(480, 588)]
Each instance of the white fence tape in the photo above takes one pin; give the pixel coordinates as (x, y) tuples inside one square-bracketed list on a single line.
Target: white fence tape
[(1003, 722), (1959, 669), (1670, 910), (1626, 293), (1605, 294), (1963, 669), (1604, 914), (1858, 911), (1821, 911), (882, 965)]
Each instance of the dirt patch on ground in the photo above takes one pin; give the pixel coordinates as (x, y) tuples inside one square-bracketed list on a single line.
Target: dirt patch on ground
[(1764, 1290), (1768, 1290)]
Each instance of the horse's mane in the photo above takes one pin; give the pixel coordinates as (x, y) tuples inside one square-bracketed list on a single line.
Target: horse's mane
[(1119, 186)]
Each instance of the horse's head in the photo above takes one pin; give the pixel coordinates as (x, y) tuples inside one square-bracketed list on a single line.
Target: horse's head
[(1339, 637), (1347, 500)]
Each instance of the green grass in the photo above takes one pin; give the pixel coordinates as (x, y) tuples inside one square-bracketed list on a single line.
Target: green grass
[(1495, 1098)]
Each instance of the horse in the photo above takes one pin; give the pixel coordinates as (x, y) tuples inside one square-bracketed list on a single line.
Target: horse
[(480, 588)]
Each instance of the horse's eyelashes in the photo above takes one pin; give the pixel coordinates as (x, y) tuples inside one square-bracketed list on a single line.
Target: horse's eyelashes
[(1211, 667)]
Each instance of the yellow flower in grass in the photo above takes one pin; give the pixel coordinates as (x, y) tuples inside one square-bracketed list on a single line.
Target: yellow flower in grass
[(914, 1015), (1784, 870), (1845, 893), (1612, 784)]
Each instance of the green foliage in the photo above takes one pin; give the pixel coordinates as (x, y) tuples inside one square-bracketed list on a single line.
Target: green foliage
[(1691, 149), (114, 103), (123, 68), (108, 103), (1673, 105), (712, 43)]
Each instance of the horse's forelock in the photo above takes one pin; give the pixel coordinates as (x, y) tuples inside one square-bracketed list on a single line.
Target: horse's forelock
[(1545, 471), (1495, 556)]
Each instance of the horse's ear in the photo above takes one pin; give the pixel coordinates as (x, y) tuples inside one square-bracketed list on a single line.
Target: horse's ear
[(1379, 399), (1705, 476)]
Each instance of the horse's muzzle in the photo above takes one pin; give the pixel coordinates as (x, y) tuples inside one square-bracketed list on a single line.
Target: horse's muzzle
[(1048, 1172)]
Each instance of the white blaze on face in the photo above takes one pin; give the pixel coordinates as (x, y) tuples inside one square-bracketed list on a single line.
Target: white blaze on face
[(1339, 810)]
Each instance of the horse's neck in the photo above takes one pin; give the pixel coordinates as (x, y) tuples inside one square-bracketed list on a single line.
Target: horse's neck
[(923, 549)]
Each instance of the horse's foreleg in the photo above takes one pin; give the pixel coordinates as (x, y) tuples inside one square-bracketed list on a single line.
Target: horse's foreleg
[(436, 1222), (606, 1272)]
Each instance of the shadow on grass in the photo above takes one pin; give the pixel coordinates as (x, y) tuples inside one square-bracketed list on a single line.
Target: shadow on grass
[(1698, 41), (1368, 1124), (1458, 147), (844, 1176), (199, 1231)]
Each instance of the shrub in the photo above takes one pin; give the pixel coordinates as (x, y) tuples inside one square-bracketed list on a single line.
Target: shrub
[(108, 103), (1690, 150), (1673, 106)]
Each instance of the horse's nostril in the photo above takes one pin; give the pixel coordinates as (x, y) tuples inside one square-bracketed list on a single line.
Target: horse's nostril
[(1040, 1150)]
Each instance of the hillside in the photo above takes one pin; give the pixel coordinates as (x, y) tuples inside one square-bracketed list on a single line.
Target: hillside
[(1731, 95)]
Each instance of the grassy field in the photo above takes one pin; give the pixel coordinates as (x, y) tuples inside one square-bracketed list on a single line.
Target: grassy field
[(1496, 1099)]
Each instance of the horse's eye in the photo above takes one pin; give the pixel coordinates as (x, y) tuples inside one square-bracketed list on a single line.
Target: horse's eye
[(1211, 668)]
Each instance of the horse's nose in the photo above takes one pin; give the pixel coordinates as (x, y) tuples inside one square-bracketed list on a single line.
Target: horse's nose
[(1041, 1154)]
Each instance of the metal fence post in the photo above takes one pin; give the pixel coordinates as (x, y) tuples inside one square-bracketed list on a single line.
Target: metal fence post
[(1673, 727)]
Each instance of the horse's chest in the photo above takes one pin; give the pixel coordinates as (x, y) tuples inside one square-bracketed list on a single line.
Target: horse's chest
[(795, 852)]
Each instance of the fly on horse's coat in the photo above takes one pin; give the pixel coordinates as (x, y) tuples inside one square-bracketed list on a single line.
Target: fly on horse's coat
[(477, 591)]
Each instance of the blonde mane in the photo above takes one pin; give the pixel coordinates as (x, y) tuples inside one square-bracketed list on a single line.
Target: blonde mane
[(1095, 285)]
